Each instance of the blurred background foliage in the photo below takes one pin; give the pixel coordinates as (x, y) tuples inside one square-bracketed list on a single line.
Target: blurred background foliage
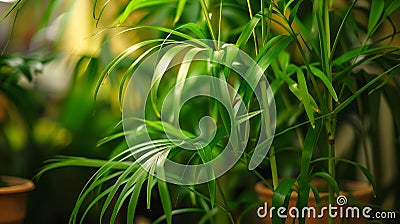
[(49, 67), (47, 104)]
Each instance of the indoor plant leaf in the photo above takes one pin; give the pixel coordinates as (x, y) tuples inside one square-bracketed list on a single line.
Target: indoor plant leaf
[(376, 12)]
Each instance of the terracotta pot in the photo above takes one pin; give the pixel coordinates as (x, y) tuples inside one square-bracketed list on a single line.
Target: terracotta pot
[(13, 199), (357, 193)]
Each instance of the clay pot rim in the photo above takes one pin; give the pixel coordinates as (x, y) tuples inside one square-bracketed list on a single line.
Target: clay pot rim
[(356, 188), (17, 185)]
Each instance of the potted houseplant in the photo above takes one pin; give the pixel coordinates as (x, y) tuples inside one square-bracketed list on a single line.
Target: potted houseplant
[(321, 49), (316, 56), (13, 198), (16, 104)]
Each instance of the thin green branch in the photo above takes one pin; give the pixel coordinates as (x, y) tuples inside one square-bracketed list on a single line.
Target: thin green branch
[(263, 23), (219, 25), (254, 30), (207, 17), (228, 213), (339, 32), (10, 34)]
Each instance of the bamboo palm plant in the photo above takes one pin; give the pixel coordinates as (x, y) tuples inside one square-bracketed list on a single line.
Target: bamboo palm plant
[(316, 56)]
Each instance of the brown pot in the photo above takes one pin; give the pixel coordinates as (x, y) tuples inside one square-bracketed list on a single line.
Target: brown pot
[(13, 199), (358, 192)]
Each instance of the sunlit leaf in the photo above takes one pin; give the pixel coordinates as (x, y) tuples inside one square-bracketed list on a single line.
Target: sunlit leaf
[(160, 69), (331, 180), (392, 7), (111, 66), (164, 192), (121, 179), (306, 156), (281, 198), (305, 96), (135, 5), (134, 200), (207, 156), (247, 31), (325, 80), (350, 99), (194, 28), (293, 12), (377, 7), (364, 170), (179, 10)]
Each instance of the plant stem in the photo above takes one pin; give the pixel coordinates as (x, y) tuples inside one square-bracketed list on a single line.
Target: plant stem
[(10, 34), (262, 24), (207, 16), (228, 213), (274, 168), (219, 25), (340, 30), (269, 21), (330, 126), (267, 120), (254, 31)]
